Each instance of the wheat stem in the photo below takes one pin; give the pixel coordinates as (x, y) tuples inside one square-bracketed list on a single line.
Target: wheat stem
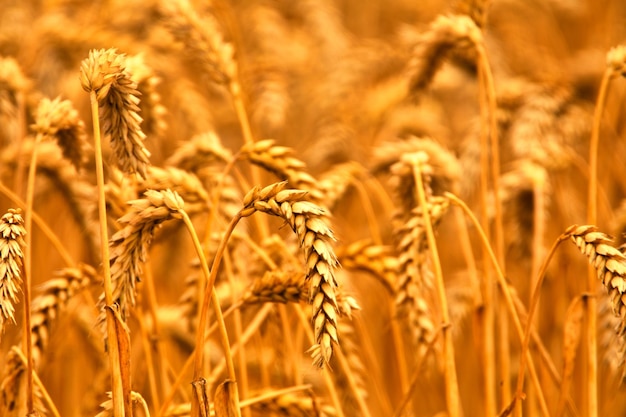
[(504, 288), (370, 214), (26, 289), (155, 336), (191, 359), (592, 214), (19, 139), (487, 85), (113, 348), (406, 398), (236, 94), (487, 308), (42, 388), (452, 384), (203, 314), (243, 371), (275, 394), (150, 364), (529, 320)]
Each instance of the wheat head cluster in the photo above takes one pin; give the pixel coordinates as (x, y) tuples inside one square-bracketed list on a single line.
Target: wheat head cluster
[(331, 208)]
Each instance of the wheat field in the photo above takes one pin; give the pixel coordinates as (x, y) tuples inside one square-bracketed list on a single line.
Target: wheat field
[(312, 208)]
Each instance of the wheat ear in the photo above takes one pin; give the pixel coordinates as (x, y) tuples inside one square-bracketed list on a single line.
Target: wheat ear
[(129, 246), (16, 85), (53, 298), (609, 265), (378, 260), (309, 223), (444, 34), (203, 35), (12, 242), (59, 120), (10, 387), (104, 74)]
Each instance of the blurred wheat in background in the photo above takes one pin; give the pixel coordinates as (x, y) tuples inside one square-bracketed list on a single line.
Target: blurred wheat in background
[(312, 208)]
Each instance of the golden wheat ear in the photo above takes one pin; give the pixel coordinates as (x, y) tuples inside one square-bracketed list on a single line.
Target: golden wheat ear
[(11, 244), (129, 246), (309, 223), (444, 34), (55, 294), (104, 72), (57, 119)]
